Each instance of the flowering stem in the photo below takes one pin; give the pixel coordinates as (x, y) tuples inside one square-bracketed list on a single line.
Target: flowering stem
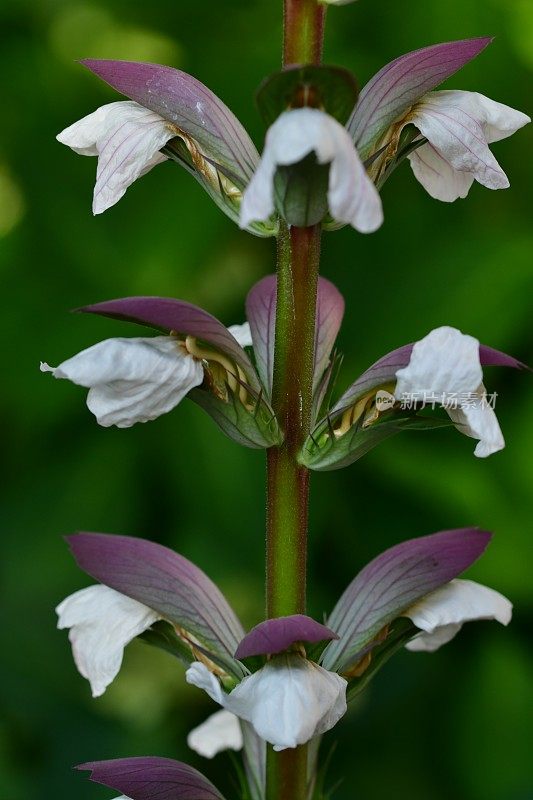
[(292, 398), (288, 481)]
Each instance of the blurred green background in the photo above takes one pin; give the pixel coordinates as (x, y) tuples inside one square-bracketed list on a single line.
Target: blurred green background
[(454, 724)]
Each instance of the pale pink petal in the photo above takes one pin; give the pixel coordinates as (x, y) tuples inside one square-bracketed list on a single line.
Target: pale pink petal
[(437, 176), (127, 139)]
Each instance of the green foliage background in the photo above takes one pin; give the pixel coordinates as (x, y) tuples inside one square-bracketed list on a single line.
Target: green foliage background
[(454, 724)]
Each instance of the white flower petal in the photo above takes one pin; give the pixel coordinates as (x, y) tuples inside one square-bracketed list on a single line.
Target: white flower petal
[(288, 702), (132, 380), (442, 613), (497, 120), (445, 361), (242, 333), (459, 126), (220, 731), (445, 368), (127, 138), (479, 421), (437, 176), (352, 196), (102, 622), (198, 675)]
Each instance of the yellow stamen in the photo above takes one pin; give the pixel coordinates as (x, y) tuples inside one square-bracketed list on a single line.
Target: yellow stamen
[(235, 375)]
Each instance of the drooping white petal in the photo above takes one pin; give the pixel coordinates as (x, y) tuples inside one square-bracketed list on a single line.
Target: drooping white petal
[(437, 176), (459, 126), (288, 702), (127, 139), (352, 196), (442, 613), (478, 420), (444, 361), (220, 731), (445, 368), (242, 333), (102, 622), (132, 380)]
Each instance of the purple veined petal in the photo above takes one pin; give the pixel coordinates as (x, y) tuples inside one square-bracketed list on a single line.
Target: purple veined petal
[(261, 314), (276, 635), (330, 311), (384, 371), (149, 777), (392, 582), (489, 357), (165, 582), (168, 314), (188, 104), (398, 85)]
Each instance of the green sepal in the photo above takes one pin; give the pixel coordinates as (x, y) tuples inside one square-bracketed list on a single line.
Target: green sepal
[(322, 451), (320, 790), (401, 631), (257, 428), (163, 636), (332, 89), (300, 192), (410, 140)]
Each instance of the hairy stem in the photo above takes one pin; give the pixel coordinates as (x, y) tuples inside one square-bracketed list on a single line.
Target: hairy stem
[(288, 481), (303, 32)]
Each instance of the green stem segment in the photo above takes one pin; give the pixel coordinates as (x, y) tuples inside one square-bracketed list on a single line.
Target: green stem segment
[(292, 398), (288, 481), (303, 32)]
